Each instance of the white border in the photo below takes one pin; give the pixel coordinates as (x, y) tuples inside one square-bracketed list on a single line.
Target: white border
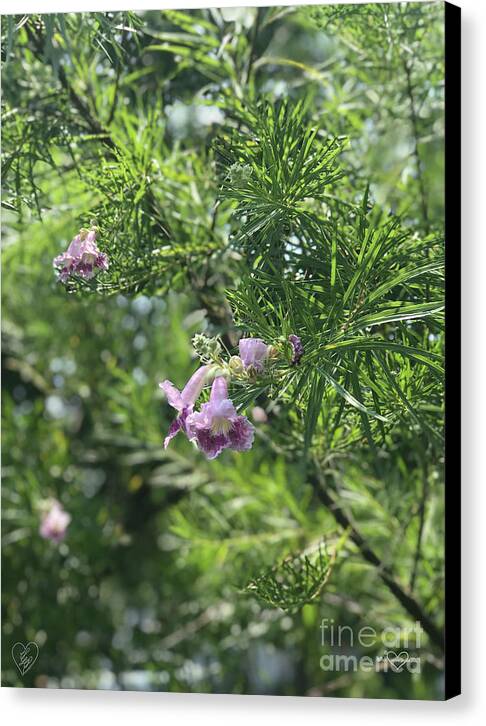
[(52, 6)]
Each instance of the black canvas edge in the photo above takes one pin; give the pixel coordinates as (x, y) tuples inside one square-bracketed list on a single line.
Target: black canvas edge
[(452, 18)]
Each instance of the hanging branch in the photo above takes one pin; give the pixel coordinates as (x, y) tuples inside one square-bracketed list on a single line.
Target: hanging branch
[(94, 125)]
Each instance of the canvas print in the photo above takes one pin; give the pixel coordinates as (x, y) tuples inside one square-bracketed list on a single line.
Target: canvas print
[(223, 240)]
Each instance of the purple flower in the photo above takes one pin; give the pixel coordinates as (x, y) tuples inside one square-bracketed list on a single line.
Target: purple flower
[(253, 353), (183, 401), (54, 522), (82, 257), (297, 349), (218, 426)]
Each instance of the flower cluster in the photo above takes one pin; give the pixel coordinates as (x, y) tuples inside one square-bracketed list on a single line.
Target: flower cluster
[(82, 257), (208, 349), (239, 174), (55, 521), (217, 426)]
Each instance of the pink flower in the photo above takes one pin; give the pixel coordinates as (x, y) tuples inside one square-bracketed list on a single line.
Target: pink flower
[(183, 401), (218, 426), (259, 415), (54, 522), (253, 353), (82, 257)]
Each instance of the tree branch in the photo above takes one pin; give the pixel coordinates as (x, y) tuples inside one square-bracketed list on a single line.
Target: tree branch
[(422, 508), (406, 600)]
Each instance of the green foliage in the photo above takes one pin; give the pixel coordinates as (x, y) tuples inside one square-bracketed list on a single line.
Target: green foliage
[(395, 87), (347, 282), (270, 172), (294, 582), (277, 167)]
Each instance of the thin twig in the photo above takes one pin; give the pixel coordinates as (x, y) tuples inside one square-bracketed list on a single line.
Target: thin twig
[(416, 153), (115, 96), (422, 509), (253, 41), (94, 125)]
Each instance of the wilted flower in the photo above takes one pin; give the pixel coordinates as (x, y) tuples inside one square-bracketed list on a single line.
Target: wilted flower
[(297, 349), (82, 257), (218, 426), (54, 522), (183, 401), (253, 353)]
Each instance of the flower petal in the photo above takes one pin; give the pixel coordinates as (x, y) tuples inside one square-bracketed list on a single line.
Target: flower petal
[(176, 425), (211, 445), (241, 434), (253, 352), (174, 397), (195, 384)]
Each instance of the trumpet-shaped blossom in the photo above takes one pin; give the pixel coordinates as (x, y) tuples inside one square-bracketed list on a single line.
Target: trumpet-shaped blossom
[(297, 349), (82, 257), (54, 523), (183, 401), (253, 353), (218, 426)]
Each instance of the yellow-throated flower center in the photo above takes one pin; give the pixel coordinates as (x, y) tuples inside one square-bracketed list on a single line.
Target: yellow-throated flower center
[(220, 425)]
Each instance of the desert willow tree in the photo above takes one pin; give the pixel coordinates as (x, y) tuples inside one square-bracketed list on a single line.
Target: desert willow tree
[(276, 221)]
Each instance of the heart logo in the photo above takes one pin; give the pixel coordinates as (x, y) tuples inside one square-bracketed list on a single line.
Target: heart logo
[(397, 660), (25, 656)]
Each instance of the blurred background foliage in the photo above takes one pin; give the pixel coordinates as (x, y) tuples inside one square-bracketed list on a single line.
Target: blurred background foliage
[(267, 171)]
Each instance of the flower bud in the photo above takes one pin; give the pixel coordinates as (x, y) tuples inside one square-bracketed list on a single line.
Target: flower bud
[(206, 348), (236, 364), (297, 349), (217, 371), (259, 414)]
